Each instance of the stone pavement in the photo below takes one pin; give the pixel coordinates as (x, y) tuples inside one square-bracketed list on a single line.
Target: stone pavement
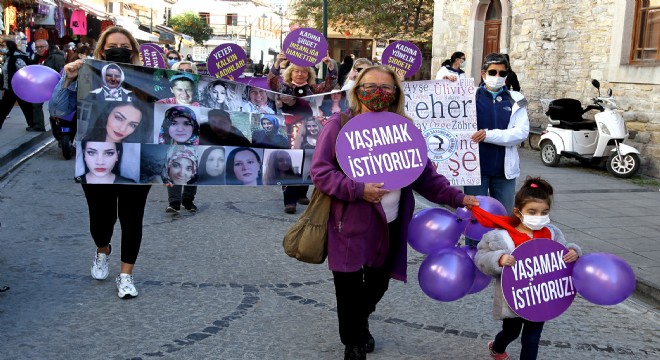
[(15, 140)]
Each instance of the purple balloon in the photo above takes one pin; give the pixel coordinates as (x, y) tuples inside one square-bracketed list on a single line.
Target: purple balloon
[(35, 83), (463, 213), (446, 275), (491, 205), (433, 229), (476, 231), (603, 279), (481, 280)]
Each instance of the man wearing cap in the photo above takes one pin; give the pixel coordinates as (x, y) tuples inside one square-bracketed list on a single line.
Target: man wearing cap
[(53, 59), (71, 52), (220, 131), (183, 88)]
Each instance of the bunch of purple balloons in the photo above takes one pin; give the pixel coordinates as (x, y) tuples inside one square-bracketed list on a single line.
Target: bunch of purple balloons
[(449, 273)]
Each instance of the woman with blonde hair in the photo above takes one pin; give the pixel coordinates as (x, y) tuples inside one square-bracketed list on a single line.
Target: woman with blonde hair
[(107, 201), (368, 225), (300, 80), (358, 65)]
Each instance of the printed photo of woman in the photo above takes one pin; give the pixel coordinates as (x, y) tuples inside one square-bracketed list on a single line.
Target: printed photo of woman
[(244, 166), (122, 122)]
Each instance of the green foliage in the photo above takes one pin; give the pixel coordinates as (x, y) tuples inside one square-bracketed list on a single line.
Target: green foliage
[(191, 24), (410, 20)]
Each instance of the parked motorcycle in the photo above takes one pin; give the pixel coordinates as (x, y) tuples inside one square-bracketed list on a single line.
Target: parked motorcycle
[(64, 131), (589, 141)]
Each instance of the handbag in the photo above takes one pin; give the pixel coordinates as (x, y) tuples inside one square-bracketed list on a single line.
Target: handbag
[(307, 238)]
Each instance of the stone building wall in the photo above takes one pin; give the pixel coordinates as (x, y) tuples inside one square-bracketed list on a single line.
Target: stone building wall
[(556, 47)]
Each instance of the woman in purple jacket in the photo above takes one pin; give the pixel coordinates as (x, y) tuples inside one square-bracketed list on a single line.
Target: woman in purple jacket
[(368, 225)]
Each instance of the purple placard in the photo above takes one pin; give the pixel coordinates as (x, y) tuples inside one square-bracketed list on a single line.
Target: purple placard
[(152, 56), (382, 147), (403, 57), (305, 47), (226, 60), (540, 286)]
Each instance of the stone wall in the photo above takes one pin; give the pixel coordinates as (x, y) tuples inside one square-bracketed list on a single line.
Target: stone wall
[(556, 48)]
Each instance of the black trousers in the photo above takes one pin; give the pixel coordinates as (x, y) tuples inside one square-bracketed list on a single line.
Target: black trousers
[(531, 336), (294, 192), (33, 112), (105, 203), (358, 293)]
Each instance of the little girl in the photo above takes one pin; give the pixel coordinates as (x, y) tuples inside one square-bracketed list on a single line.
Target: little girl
[(530, 220)]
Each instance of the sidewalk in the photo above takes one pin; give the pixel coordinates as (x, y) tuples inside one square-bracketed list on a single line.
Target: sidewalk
[(594, 209), (15, 140)]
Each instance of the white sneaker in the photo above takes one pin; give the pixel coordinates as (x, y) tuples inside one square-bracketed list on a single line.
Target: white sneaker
[(100, 266), (125, 287)]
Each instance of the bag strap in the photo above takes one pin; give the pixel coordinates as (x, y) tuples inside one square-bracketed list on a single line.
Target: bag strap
[(343, 119)]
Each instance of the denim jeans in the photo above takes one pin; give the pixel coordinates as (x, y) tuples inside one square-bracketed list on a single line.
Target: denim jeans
[(531, 336), (498, 187)]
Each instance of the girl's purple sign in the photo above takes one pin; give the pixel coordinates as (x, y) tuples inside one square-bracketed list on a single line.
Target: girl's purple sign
[(403, 57), (382, 147), (539, 287), (305, 47), (226, 60)]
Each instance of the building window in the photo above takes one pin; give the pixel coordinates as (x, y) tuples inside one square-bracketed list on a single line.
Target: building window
[(206, 17), (646, 32), (232, 19), (167, 15)]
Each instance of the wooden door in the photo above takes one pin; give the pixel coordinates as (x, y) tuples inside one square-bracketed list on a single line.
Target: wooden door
[(492, 36)]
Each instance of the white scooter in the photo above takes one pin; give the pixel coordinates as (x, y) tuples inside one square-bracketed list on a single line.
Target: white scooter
[(588, 141)]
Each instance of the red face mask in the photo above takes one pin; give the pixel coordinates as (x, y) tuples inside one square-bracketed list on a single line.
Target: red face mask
[(376, 100)]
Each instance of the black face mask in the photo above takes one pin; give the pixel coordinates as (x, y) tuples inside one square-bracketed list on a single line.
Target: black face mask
[(119, 55)]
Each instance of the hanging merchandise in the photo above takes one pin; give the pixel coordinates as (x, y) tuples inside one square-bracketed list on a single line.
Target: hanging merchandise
[(79, 22), (10, 18)]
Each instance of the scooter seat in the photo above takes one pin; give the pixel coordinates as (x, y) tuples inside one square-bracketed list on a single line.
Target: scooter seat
[(584, 124)]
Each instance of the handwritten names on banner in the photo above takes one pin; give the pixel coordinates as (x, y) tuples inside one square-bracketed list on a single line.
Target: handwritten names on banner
[(445, 112)]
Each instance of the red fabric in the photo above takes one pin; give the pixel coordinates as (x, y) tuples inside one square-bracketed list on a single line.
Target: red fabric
[(509, 224)]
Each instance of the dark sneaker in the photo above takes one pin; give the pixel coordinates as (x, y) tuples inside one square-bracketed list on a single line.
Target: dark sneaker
[(303, 201), (290, 208), (355, 353), (174, 207), (189, 205)]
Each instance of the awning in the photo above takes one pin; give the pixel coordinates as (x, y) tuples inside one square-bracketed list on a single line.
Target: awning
[(76, 4), (127, 23), (186, 39)]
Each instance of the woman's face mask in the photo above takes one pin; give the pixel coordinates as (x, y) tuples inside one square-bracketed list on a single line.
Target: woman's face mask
[(118, 54), (376, 100)]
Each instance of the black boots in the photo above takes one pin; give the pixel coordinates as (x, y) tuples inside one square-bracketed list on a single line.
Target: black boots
[(355, 353), (369, 341)]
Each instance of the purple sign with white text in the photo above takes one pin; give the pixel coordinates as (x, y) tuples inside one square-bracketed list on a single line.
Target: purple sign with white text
[(305, 47), (403, 57), (382, 147), (539, 287), (152, 56), (226, 60)]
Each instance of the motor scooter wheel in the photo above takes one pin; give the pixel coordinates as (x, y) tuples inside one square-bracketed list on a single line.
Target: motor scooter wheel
[(67, 147), (623, 166), (549, 155)]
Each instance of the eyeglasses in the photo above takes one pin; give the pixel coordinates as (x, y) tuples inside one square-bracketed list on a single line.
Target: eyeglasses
[(359, 69), (173, 58), (113, 76), (493, 72), (373, 87), (186, 70)]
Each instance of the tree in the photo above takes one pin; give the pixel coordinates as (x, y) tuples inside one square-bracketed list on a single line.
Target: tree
[(410, 20), (191, 24)]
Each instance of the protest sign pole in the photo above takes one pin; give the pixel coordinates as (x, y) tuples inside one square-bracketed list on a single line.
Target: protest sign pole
[(325, 32)]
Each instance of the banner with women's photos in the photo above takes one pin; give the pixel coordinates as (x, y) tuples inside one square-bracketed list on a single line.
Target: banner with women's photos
[(141, 125)]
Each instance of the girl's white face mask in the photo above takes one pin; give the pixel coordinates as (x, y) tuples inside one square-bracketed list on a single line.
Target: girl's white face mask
[(536, 222)]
